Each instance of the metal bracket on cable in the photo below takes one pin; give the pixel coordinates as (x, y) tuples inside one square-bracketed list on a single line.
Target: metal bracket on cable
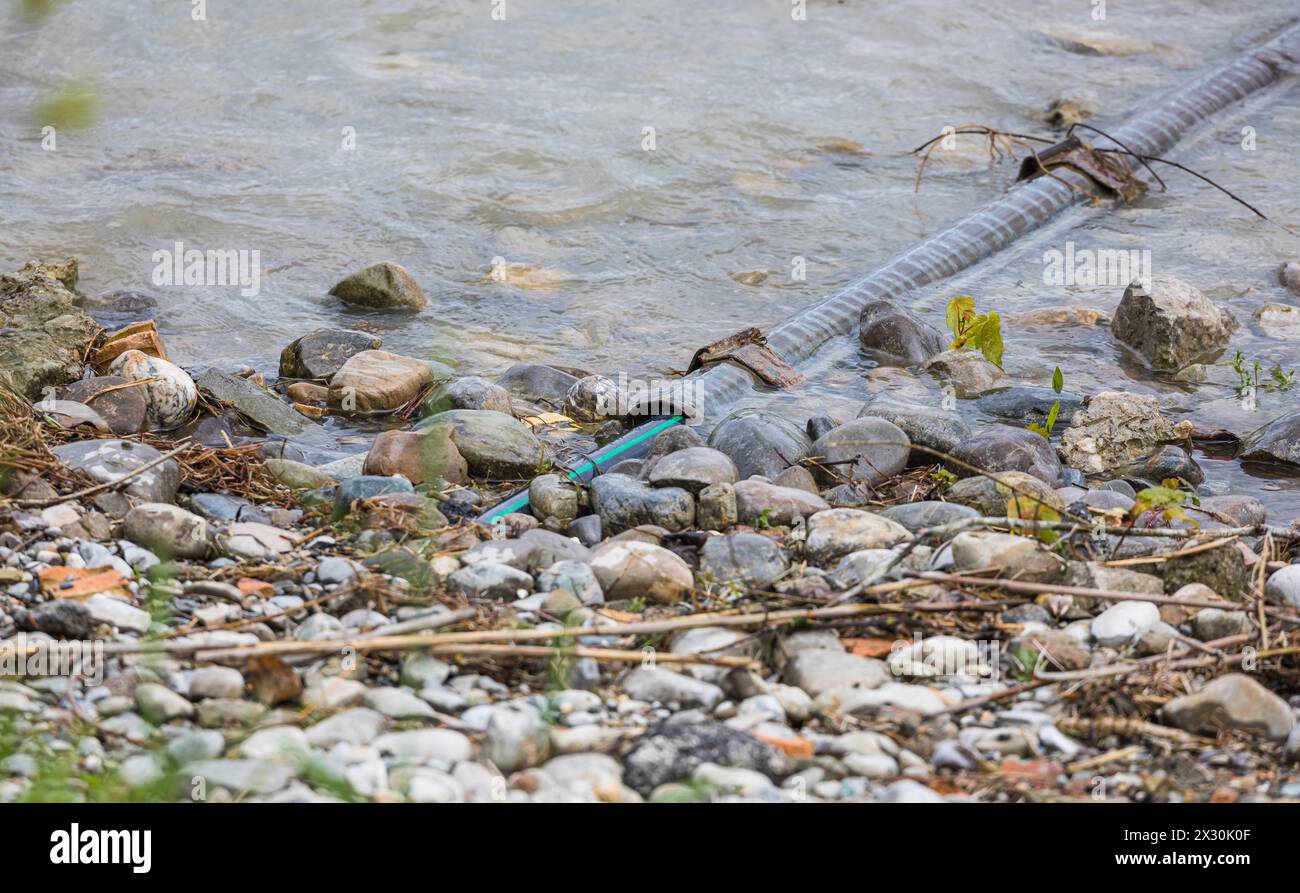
[(749, 349)]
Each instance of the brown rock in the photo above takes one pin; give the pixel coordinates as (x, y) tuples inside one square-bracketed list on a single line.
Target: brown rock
[(378, 381), (382, 285), (1234, 701), (123, 408), (418, 456), (307, 392)]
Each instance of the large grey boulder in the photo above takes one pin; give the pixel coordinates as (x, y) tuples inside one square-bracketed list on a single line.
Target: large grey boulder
[(1171, 324)]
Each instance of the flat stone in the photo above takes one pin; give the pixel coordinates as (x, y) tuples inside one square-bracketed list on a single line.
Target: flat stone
[(1020, 405), (359, 726), (378, 381), (1004, 448), (397, 703), (167, 530), (666, 686), (123, 409), (758, 501), (490, 581), (817, 671), (535, 383), (1124, 621), (674, 751), (158, 704), (240, 776), (837, 532), (298, 475), (276, 744), (259, 406), (991, 497), (1276, 441), (108, 461), (216, 682), (693, 469), (255, 542), (1015, 557), (748, 558), (1234, 701), (115, 612), (919, 515), (444, 745)]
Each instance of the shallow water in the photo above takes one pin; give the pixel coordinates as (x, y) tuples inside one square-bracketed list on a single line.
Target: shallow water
[(524, 140)]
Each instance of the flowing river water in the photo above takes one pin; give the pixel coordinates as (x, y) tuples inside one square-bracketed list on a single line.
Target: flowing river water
[(626, 162)]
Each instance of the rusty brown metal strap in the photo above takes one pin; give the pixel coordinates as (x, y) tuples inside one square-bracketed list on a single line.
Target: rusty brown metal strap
[(749, 349)]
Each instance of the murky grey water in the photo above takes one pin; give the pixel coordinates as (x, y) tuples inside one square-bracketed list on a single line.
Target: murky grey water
[(525, 139)]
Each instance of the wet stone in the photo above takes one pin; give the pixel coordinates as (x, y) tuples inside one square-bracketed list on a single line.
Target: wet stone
[(107, 461), (624, 502), (760, 442), (749, 558)]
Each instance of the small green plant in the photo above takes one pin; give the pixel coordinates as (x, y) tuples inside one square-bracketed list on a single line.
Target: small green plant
[(1166, 499), (1045, 429), (1024, 659), (943, 477), (1248, 379), (982, 331), (763, 522)]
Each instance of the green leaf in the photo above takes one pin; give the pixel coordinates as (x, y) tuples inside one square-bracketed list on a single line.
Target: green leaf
[(1052, 416), (960, 309), (987, 339), (1058, 380), (1026, 508)]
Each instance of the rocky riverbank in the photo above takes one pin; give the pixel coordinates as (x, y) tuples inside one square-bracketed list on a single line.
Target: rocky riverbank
[(892, 607)]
